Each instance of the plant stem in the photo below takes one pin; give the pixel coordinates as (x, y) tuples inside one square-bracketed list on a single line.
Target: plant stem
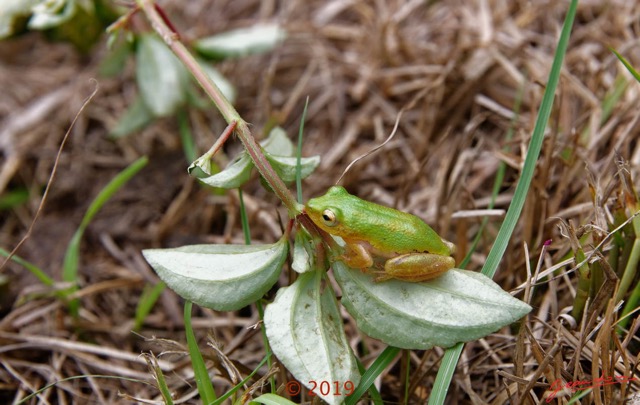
[(224, 106)]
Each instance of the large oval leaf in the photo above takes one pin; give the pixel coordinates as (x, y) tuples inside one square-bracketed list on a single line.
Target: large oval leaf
[(220, 277), (305, 331), (459, 306)]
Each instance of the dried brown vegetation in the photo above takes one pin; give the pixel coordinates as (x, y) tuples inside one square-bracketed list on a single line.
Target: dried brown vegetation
[(463, 62)]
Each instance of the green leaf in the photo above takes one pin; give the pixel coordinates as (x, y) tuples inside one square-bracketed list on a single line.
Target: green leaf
[(160, 75), (134, 119), (305, 332), (221, 277), (303, 258), (275, 147), (459, 306), (11, 12), (113, 63), (233, 176), (285, 166), (49, 14), (241, 42), (225, 86), (278, 143)]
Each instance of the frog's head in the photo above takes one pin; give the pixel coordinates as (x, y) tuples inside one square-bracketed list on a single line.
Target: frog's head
[(325, 211)]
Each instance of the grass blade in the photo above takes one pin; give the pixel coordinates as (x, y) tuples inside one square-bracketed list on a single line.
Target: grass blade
[(35, 270), (205, 388), (299, 151), (451, 356), (148, 299), (233, 390), (372, 373), (71, 257), (626, 64)]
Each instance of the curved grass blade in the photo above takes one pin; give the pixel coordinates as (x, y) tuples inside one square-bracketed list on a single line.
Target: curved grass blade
[(71, 257), (451, 356), (369, 377), (35, 270), (148, 299)]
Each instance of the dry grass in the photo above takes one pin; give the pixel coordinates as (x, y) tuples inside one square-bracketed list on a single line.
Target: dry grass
[(360, 63)]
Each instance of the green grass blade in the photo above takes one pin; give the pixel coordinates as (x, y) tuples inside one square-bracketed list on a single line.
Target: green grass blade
[(13, 198), (186, 137), (451, 356), (244, 220), (626, 64), (299, 152), (205, 388), (612, 97), (243, 382), (71, 257), (35, 270), (76, 377), (158, 375), (368, 378), (147, 301)]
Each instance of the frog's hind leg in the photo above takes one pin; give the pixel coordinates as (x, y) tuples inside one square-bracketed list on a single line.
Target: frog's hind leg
[(416, 267)]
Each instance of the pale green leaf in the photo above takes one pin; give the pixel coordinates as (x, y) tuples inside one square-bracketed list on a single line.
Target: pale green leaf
[(12, 11), (305, 331), (285, 166), (459, 306), (161, 77), (225, 86), (241, 42), (302, 257), (221, 277), (238, 171), (233, 176), (278, 143), (49, 14), (136, 117)]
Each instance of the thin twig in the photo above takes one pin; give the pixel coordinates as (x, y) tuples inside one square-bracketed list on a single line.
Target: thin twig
[(51, 177)]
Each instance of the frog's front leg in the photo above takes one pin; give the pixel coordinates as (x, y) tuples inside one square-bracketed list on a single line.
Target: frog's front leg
[(416, 267), (356, 256)]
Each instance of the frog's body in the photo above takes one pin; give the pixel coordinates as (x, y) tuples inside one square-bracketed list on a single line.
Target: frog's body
[(415, 252)]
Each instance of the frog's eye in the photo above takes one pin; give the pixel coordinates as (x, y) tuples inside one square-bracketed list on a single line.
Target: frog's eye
[(329, 218)]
